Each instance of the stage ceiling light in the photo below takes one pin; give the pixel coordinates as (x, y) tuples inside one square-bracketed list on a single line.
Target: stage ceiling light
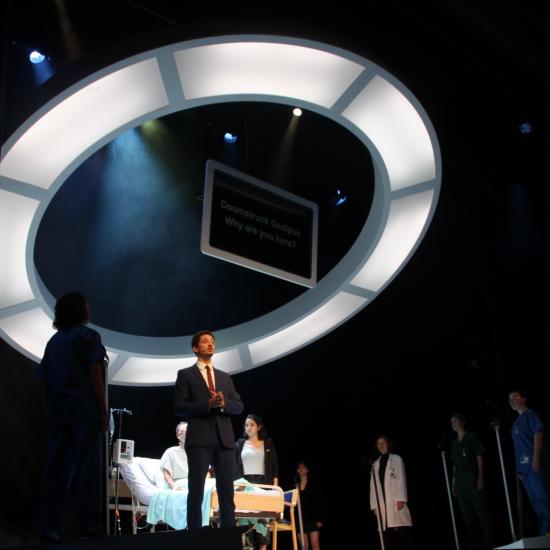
[(35, 57), (526, 128), (339, 199), (349, 89), (297, 111)]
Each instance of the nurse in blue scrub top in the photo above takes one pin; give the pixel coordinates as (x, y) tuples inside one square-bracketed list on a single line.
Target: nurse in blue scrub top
[(531, 461)]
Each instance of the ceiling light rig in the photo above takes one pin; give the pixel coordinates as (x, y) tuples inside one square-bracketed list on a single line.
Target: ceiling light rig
[(342, 86)]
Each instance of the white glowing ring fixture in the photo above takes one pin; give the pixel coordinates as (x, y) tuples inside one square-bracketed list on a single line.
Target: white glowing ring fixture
[(337, 84)]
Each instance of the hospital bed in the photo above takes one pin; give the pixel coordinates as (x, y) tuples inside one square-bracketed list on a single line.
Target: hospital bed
[(142, 481)]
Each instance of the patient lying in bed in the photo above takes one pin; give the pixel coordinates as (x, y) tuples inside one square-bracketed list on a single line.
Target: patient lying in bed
[(147, 483)]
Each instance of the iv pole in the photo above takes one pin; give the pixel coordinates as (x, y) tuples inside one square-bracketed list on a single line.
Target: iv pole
[(378, 513), (118, 530), (300, 521), (107, 446), (442, 451), (496, 425)]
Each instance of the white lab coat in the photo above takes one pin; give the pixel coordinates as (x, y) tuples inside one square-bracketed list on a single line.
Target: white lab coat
[(395, 488)]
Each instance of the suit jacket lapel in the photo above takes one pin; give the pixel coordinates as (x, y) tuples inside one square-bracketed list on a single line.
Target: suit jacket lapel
[(218, 381), (201, 381)]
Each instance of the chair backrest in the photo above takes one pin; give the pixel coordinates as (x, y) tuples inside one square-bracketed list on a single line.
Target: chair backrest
[(291, 497), (291, 501)]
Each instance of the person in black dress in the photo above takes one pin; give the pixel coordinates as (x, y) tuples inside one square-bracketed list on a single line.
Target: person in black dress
[(312, 504)]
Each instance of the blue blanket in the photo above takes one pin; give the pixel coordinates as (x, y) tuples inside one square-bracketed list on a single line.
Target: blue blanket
[(171, 507)]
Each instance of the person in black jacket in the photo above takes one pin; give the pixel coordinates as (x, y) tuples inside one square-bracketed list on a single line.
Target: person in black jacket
[(257, 462), (206, 398)]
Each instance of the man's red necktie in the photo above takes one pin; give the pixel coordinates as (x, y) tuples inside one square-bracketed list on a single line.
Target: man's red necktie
[(210, 381)]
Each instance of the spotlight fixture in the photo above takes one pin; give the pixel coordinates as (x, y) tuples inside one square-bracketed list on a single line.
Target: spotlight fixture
[(297, 111), (229, 137), (36, 57), (526, 128), (340, 198)]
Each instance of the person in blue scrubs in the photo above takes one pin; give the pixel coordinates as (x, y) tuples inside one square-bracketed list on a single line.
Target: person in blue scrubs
[(73, 370), (532, 466)]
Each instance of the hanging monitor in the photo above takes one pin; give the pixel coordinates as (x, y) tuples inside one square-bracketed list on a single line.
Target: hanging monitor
[(254, 224)]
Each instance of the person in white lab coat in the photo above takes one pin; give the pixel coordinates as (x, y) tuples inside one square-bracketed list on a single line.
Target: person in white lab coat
[(388, 497)]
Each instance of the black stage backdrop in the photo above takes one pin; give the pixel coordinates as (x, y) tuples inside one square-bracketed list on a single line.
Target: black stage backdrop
[(464, 323)]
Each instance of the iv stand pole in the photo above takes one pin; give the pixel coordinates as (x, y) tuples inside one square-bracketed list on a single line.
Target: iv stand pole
[(107, 458), (118, 531), (378, 512), (496, 425), (300, 521), (442, 451)]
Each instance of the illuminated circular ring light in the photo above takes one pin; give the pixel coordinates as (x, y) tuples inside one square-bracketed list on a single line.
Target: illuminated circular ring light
[(335, 83)]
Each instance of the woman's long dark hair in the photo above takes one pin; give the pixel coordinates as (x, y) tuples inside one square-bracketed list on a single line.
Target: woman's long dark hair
[(262, 433), (297, 465), (70, 310)]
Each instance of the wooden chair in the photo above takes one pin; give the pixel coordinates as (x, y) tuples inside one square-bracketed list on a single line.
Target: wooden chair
[(291, 502)]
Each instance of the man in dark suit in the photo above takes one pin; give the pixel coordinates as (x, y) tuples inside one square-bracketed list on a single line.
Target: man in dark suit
[(206, 397)]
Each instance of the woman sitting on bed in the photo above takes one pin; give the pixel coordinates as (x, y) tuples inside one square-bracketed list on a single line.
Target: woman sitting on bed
[(257, 460), (173, 463)]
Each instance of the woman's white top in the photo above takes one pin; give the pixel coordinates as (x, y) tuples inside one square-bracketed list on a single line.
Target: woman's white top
[(253, 459)]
